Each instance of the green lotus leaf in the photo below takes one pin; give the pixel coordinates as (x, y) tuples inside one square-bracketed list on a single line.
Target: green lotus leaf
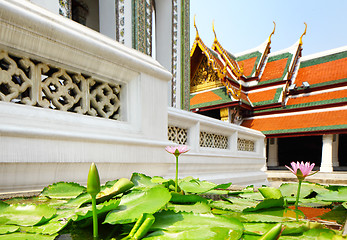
[(27, 236), (290, 189), (270, 192), (121, 186), (233, 204), (252, 195), (179, 198), (272, 215), (63, 190), (313, 202), (53, 202), (50, 228), (170, 225), (265, 204), (337, 214), (87, 212), (5, 229), (78, 201), (314, 234), (27, 215), (216, 192), (291, 228), (196, 186), (142, 181), (334, 196), (198, 207), (137, 202)]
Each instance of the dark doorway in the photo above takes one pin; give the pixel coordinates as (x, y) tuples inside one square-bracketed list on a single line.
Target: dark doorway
[(306, 149), (343, 150), (215, 113)]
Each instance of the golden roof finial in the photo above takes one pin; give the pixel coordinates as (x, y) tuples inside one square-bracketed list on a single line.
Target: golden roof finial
[(215, 35), (197, 32), (273, 32), (300, 42)]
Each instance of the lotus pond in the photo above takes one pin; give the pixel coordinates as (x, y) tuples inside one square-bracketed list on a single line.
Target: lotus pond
[(149, 208)]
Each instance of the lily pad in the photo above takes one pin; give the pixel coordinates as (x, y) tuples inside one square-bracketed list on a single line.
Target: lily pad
[(290, 189), (121, 186), (198, 207), (87, 212), (192, 185), (27, 215), (5, 229), (137, 202), (334, 196), (170, 225), (63, 190), (142, 181), (27, 236)]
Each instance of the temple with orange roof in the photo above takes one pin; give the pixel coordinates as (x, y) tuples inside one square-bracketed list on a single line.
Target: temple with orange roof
[(299, 102)]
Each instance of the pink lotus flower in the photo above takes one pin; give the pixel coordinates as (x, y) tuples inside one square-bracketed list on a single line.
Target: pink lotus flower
[(301, 170), (177, 150)]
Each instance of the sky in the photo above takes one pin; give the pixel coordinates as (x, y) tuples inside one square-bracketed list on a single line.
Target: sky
[(245, 24)]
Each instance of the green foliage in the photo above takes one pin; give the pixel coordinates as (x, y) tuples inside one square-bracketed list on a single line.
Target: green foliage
[(63, 190), (170, 225), (137, 202), (27, 215), (27, 236), (148, 208)]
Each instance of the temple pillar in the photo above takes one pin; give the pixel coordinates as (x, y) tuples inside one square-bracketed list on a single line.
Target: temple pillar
[(336, 150), (273, 153), (327, 153)]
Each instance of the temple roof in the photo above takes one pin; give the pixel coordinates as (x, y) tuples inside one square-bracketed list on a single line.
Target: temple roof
[(284, 93), (300, 123)]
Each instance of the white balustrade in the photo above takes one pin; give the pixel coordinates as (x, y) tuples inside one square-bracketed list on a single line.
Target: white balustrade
[(70, 96)]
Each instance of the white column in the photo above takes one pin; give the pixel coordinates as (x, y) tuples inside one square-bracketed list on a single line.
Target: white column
[(327, 154), (273, 152), (107, 18)]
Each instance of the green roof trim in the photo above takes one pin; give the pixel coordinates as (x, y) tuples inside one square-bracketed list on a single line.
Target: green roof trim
[(274, 100), (276, 58), (221, 92), (249, 56), (268, 110), (325, 59), (310, 129), (280, 56), (328, 83), (317, 103)]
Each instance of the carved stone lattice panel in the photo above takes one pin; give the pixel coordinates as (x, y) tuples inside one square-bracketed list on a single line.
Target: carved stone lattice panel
[(177, 135), (205, 77), (245, 145), (26, 81), (211, 140)]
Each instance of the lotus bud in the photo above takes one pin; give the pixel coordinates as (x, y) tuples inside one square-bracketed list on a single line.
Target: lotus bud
[(93, 184)]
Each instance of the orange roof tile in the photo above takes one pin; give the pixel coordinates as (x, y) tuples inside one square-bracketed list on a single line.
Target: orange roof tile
[(317, 97), (274, 69), (262, 96), (204, 97), (248, 65), (300, 121), (323, 72)]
